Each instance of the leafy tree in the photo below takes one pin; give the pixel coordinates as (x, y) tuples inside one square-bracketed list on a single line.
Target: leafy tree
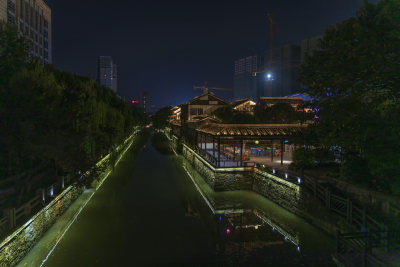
[(52, 119), (354, 80), (229, 115), (160, 119), (13, 52), (278, 113)]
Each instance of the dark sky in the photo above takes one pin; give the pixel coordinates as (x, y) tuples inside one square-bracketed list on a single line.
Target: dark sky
[(165, 47)]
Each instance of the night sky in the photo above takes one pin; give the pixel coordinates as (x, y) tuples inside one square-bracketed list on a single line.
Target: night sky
[(165, 47)]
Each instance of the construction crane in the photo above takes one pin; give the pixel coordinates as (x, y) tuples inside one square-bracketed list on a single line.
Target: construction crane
[(271, 39), (271, 50), (272, 33), (206, 88)]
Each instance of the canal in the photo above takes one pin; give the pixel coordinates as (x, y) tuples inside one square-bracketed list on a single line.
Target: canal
[(154, 210)]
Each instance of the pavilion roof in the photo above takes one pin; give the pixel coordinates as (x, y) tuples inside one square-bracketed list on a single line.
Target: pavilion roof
[(260, 130)]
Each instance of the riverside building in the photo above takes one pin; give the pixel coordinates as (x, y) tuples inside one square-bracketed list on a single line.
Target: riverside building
[(33, 21)]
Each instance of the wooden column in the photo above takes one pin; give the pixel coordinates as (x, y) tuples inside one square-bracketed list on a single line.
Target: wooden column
[(219, 151), (282, 149), (213, 140), (241, 152), (272, 150)]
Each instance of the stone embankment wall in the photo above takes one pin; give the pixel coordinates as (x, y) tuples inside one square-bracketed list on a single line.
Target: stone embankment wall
[(288, 195), (297, 200), (226, 179), (16, 246)]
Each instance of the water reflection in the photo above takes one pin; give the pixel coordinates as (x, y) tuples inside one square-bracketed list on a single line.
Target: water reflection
[(244, 235)]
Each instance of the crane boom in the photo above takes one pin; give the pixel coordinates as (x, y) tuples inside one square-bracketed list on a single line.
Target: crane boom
[(206, 88), (271, 48)]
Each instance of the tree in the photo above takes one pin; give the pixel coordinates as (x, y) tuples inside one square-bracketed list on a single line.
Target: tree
[(160, 119), (54, 119), (278, 113), (230, 115), (13, 52), (354, 80)]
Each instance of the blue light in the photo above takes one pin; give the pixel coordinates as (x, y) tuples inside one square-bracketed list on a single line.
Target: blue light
[(286, 141), (269, 77)]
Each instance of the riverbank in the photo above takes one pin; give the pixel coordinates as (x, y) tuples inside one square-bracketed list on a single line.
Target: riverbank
[(18, 244)]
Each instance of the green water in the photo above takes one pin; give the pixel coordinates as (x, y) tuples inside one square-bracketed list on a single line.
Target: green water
[(150, 212)]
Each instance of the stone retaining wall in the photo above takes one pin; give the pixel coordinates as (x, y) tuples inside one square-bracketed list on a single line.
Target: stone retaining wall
[(220, 179), (14, 248), (286, 194)]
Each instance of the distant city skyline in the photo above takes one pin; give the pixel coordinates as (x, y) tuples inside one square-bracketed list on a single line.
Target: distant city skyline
[(178, 44)]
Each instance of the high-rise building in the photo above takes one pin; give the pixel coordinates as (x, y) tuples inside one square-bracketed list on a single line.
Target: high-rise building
[(255, 77), (144, 101), (282, 76), (33, 21), (245, 85), (309, 45), (107, 73)]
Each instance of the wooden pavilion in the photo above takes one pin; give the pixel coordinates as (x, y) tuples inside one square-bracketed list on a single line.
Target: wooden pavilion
[(238, 145)]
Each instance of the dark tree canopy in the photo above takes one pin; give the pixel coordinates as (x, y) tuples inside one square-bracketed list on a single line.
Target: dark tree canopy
[(160, 118), (354, 80), (229, 115), (54, 118)]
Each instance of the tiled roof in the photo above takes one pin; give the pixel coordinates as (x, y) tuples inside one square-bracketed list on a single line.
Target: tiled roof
[(239, 102), (251, 129)]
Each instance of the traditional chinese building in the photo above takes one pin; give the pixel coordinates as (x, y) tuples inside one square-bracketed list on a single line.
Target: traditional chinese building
[(244, 105), (202, 107)]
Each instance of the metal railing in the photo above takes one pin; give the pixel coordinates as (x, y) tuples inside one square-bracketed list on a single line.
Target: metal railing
[(362, 248), (14, 217)]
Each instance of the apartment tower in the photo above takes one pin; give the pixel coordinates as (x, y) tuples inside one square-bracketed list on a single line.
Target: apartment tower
[(107, 73), (32, 18)]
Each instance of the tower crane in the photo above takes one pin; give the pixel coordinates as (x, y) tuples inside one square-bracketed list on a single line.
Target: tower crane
[(271, 39), (206, 88)]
